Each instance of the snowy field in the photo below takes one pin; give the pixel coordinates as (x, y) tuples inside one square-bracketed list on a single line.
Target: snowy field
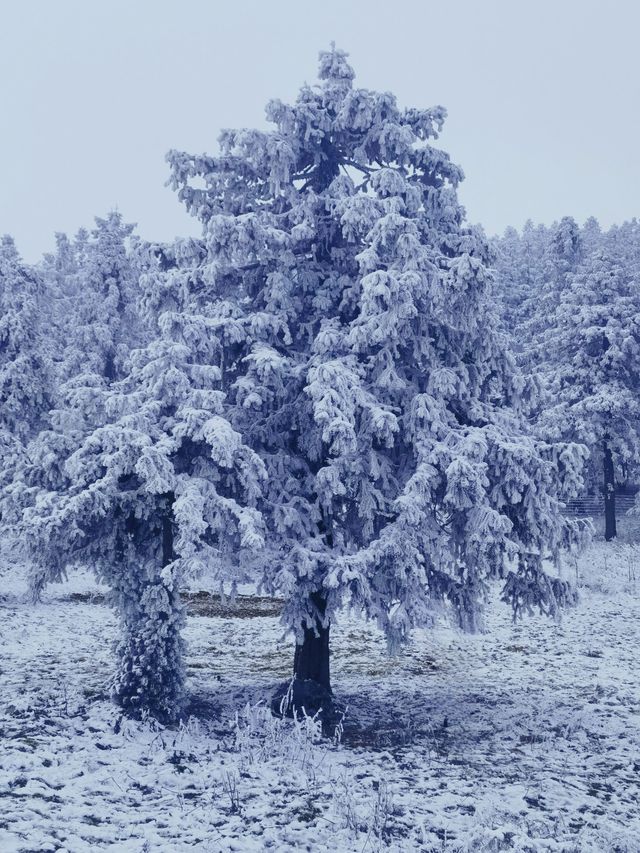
[(526, 738)]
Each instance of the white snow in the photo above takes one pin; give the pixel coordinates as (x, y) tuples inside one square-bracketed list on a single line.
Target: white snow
[(526, 738)]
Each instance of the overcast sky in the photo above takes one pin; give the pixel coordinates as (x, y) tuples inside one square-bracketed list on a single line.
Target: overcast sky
[(543, 98)]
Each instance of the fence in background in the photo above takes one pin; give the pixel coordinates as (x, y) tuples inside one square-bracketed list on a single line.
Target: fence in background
[(594, 505)]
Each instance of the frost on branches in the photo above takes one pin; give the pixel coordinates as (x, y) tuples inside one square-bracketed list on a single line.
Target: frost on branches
[(594, 366), (25, 366), (93, 282), (575, 319), (519, 265), (363, 364), (160, 484)]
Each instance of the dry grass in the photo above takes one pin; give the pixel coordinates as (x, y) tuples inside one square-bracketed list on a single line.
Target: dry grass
[(205, 604)]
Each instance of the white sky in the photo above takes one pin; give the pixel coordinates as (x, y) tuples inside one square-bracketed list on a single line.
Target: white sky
[(543, 98)]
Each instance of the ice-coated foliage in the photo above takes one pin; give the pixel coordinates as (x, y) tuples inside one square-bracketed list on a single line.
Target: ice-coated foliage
[(361, 352), (25, 367), (94, 284), (562, 255), (593, 358), (577, 342), (93, 293), (597, 350), (158, 484), (519, 280), (24, 362)]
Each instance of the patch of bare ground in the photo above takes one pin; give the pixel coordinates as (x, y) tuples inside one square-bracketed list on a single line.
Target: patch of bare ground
[(205, 604)]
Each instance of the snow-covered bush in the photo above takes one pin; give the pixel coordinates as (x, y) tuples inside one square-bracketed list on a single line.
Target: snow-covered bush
[(610, 569), (260, 736)]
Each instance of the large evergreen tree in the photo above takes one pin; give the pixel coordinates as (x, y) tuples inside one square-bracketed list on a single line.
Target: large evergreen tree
[(155, 483), (362, 362)]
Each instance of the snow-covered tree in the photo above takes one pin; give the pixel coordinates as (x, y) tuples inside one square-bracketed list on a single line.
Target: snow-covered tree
[(563, 252), (24, 377), (159, 484), (92, 324), (519, 276), (98, 291), (593, 368), (622, 245), (362, 358), (25, 370), (591, 236)]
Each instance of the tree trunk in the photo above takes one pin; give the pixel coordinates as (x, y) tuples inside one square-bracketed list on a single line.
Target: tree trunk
[(310, 690), (311, 658), (167, 537), (609, 492), (150, 675)]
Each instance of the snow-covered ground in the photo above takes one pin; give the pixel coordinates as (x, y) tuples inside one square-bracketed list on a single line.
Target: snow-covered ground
[(526, 738)]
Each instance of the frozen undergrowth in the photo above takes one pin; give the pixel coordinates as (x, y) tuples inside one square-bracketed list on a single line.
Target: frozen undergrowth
[(526, 738)]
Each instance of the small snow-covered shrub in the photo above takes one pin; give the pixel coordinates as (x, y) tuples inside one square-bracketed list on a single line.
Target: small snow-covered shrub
[(260, 737), (365, 808), (609, 567)]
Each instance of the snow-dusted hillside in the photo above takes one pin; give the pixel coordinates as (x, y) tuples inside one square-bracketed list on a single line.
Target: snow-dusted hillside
[(526, 738)]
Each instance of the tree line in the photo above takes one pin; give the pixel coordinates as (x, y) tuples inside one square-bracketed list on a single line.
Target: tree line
[(571, 300)]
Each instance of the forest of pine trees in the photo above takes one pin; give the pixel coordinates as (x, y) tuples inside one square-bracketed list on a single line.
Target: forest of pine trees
[(341, 392), (570, 303)]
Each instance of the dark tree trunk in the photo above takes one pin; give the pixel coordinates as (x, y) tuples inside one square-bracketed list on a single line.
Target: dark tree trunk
[(110, 365), (609, 492), (310, 690), (167, 536), (150, 674), (311, 658)]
